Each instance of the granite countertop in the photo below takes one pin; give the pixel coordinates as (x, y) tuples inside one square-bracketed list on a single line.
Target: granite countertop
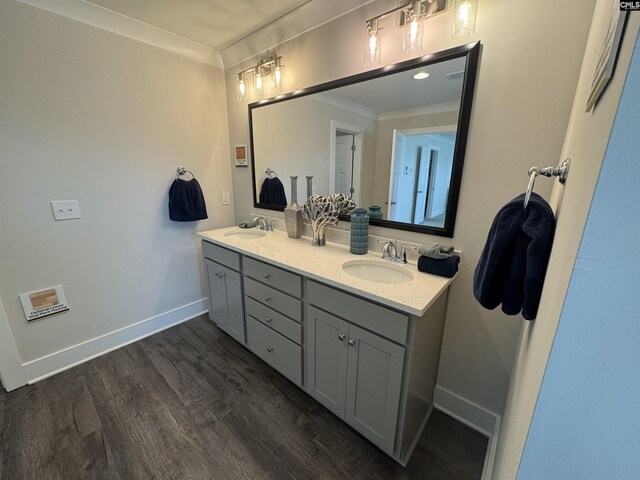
[(324, 264)]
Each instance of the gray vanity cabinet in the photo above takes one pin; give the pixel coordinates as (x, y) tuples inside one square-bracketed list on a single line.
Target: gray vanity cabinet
[(226, 303), (374, 380), (372, 365), (356, 374), (326, 353)]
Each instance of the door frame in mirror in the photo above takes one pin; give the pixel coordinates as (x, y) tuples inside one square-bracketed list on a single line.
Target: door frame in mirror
[(472, 53)]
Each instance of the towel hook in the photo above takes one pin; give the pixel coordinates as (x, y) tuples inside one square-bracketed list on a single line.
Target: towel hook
[(268, 172), (182, 170), (561, 172)]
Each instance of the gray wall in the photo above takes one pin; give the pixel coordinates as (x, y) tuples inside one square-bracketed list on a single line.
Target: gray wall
[(582, 426), (92, 116), (586, 142), (527, 78)]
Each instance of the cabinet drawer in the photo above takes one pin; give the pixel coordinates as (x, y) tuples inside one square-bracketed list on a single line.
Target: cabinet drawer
[(273, 276), (383, 321), (287, 327), (282, 354), (221, 255), (281, 302)]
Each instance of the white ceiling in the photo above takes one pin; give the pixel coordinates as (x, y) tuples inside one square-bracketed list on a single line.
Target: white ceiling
[(400, 91), (214, 23)]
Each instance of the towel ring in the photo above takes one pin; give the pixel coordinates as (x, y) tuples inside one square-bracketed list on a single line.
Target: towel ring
[(182, 170), (533, 173), (268, 172), (560, 172)]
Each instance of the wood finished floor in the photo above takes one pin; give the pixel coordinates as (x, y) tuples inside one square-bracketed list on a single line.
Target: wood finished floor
[(191, 403)]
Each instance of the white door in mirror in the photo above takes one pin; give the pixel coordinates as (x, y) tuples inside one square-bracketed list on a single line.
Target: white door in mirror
[(65, 209)]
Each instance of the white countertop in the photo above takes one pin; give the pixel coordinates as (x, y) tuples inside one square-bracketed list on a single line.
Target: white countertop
[(325, 265)]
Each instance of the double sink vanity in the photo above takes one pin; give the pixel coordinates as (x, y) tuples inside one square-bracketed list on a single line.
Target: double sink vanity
[(359, 334)]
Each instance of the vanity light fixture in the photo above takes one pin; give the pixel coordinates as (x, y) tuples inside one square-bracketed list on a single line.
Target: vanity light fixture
[(412, 16), (464, 24), (413, 33), (373, 42), (241, 86), (271, 68)]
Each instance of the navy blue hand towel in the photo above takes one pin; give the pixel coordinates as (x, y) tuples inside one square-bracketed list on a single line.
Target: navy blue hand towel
[(272, 192), (186, 201), (445, 267), (514, 260)]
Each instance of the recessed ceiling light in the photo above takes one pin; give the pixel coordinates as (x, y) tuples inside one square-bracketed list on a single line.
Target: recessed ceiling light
[(420, 75)]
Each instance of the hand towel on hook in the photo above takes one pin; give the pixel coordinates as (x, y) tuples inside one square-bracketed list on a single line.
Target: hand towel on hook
[(186, 201), (514, 260)]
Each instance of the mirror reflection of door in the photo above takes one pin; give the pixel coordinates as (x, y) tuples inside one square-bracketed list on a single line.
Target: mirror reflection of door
[(345, 166), (395, 180), (421, 164)]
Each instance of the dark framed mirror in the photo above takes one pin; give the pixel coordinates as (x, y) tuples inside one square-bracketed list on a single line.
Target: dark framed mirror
[(393, 138)]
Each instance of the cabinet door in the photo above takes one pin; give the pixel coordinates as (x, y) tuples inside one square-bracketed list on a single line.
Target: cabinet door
[(374, 380), (234, 306), (326, 352), (217, 294)]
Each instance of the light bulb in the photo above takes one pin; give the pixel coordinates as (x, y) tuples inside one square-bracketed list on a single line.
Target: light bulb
[(413, 36), (242, 88), (258, 84), (464, 24), (278, 75), (372, 44)]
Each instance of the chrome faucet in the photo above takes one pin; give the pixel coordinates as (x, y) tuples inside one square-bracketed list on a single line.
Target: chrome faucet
[(390, 251), (265, 225)]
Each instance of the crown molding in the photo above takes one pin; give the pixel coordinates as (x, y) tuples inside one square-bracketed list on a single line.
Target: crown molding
[(345, 104), (113, 22), (416, 112), (299, 21)]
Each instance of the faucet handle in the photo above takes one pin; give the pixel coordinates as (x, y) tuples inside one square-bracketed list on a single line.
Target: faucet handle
[(403, 254)]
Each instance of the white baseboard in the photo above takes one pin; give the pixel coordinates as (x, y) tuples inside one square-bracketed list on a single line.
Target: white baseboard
[(61, 360), (474, 416)]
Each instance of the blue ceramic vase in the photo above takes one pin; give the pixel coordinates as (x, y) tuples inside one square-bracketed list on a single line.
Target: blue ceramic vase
[(359, 231)]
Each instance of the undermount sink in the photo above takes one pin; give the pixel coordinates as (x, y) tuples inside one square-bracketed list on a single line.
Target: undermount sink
[(245, 235), (377, 271)]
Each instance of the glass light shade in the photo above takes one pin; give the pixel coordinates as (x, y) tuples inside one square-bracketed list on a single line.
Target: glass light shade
[(464, 23), (372, 46), (258, 84), (413, 36), (277, 77), (242, 88)]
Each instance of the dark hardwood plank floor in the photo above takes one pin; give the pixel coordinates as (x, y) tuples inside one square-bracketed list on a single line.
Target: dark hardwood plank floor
[(191, 403)]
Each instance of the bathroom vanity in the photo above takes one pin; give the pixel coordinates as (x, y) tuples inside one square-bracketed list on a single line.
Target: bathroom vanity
[(332, 323)]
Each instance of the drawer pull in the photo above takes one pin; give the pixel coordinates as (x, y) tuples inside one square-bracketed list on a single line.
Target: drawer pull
[(267, 276), (267, 299), (352, 342), (269, 349), (269, 320), (341, 337)]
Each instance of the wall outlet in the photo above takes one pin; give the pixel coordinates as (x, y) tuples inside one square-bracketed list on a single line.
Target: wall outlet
[(65, 209), (225, 198)]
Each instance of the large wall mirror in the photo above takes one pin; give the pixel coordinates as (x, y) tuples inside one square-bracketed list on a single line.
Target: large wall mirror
[(394, 138)]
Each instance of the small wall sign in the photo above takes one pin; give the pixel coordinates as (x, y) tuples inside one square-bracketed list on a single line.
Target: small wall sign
[(241, 155), (43, 303)]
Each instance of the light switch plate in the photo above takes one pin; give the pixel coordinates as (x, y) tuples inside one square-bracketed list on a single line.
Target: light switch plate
[(225, 198), (65, 209)]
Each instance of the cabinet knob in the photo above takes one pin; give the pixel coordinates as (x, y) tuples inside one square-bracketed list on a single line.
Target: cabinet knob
[(267, 276), (341, 337), (269, 320), (352, 342), (269, 349), (267, 299)]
